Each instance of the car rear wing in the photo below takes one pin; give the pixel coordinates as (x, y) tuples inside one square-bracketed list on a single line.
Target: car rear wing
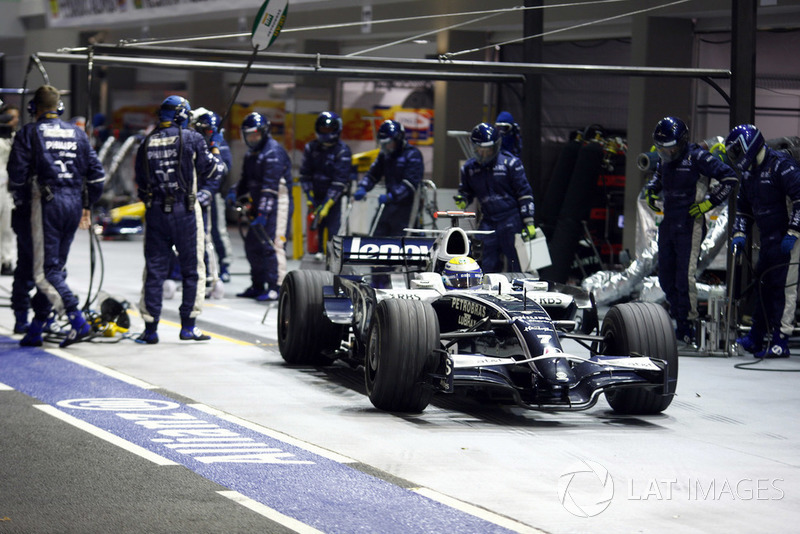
[(409, 252)]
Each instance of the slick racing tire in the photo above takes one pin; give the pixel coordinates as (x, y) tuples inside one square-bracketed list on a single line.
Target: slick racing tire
[(403, 337), (641, 328), (305, 335)]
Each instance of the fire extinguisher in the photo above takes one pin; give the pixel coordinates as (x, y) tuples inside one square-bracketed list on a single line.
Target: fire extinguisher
[(312, 234)]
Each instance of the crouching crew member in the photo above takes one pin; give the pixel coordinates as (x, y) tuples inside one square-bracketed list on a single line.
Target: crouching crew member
[(177, 175), (54, 163)]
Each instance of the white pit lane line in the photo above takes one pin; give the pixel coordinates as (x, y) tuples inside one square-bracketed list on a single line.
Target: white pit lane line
[(467, 508), (269, 513), (102, 434)]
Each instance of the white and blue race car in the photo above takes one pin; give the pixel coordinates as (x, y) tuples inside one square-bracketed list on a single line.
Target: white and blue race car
[(500, 341)]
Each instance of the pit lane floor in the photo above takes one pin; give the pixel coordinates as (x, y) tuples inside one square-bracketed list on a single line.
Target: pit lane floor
[(723, 457)]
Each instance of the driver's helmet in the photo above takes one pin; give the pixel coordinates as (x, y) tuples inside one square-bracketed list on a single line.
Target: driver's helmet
[(671, 137), (461, 272)]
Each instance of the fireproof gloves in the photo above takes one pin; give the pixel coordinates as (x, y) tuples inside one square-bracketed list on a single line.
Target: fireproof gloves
[(231, 198), (461, 202), (261, 220), (699, 208), (359, 194), (651, 197), (215, 141), (787, 243), (737, 244), (204, 198), (528, 230), (322, 211), (385, 198)]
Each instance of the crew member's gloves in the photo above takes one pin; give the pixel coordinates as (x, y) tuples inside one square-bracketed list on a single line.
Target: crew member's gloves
[(651, 197), (215, 141), (204, 198), (699, 208), (787, 243), (461, 202), (322, 211), (359, 194), (310, 199), (528, 230), (261, 220), (231, 198), (385, 198), (737, 244)]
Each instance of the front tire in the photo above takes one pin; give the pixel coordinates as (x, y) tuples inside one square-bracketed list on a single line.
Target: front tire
[(304, 333), (643, 328), (403, 336)]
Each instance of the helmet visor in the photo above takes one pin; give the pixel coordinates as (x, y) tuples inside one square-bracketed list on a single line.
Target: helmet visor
[(388, 146), (669, 153), (502, 127), (462, 280), (252, 137), (485, 154)]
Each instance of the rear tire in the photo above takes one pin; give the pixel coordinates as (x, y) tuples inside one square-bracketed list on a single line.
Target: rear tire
[(304, 333), (644, 328), (403, 336)]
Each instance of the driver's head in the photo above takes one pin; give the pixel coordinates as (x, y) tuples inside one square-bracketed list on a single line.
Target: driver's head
[(461, 272)]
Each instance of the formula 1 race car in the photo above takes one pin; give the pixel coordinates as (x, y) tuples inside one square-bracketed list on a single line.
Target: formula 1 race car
[(501, 340)]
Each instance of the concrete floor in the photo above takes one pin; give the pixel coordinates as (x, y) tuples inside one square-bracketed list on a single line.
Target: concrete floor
[(722, 458)]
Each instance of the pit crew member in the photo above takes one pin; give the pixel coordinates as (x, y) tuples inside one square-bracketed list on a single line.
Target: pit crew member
[(497, 179), (682, 177), (325, 173), (266, 178), (769, 179), (402, 168), (177, 176), (53, 161)]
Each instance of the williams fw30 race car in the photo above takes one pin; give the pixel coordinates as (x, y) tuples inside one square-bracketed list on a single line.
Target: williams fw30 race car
[(382, 305)]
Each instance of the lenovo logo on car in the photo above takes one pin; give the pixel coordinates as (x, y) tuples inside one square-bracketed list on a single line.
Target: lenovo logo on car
[(385, 251)]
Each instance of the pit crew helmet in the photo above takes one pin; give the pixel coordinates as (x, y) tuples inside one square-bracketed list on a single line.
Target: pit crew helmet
[(208, 124), (175, 109), (461, 272), (743, 146), (255, 128), (504, 123), (485, 142), (391, 137), (671, 137), (328, 127)]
